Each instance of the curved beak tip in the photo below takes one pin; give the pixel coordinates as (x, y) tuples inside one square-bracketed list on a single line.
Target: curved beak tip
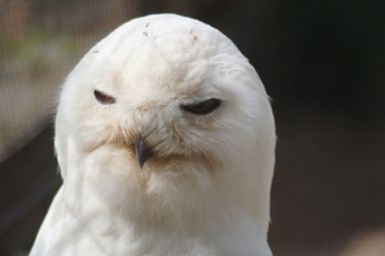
[(142, 151)]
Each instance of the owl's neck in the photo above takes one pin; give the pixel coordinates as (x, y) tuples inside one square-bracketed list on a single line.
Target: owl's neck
[(191, 202), (168, 213)]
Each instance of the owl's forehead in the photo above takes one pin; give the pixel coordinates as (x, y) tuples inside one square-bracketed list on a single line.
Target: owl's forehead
[(174, 37), (156, 55)]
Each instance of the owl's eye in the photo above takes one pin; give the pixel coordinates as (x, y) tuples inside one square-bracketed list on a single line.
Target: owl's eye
[(203, 107), (104, 98)]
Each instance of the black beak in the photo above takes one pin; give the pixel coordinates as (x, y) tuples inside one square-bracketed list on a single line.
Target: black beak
[(142, 151)]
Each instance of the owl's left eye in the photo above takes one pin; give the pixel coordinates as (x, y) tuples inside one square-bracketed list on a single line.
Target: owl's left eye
[(104, 98), (203, 107)]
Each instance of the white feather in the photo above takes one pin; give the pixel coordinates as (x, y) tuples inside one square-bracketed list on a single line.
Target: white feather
[(206, 191)]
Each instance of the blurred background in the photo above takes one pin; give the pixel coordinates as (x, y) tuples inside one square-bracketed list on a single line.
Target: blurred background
[(322, 62)]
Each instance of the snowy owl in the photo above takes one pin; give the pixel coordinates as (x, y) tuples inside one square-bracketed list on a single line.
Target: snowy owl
[(165, 140)]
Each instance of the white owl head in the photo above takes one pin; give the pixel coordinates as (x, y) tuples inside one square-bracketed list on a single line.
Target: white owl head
[(174, 85), (166, 93)]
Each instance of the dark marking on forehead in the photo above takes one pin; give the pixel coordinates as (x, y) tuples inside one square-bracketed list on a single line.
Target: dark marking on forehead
[(147, 25), (145, 33), (194, 37)]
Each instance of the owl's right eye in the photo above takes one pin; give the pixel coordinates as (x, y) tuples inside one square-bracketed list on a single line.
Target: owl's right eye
[(203, 107), (104, 98)]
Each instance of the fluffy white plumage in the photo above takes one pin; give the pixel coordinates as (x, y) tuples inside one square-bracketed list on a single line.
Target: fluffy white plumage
[(204, 188)]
